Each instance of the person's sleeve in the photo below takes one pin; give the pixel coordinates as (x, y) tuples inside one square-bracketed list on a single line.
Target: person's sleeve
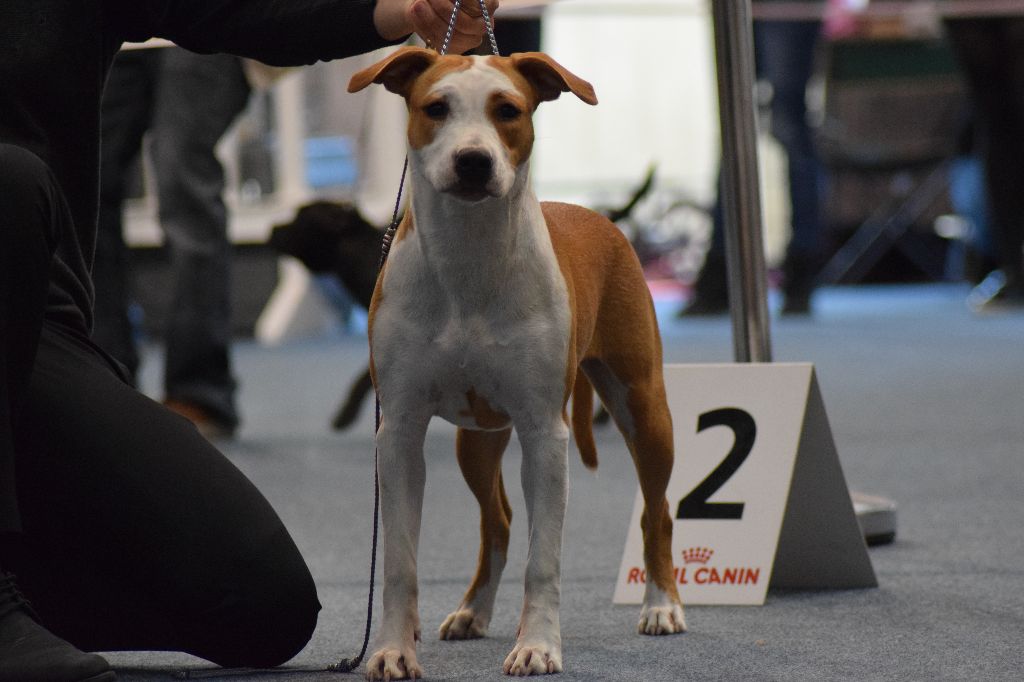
[(277, 32)]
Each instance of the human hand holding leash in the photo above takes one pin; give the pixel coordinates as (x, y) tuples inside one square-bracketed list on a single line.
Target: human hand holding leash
[(429, 20)]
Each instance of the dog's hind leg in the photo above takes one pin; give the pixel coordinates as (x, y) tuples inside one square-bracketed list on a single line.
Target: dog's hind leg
[(636, 399), (479, 454)]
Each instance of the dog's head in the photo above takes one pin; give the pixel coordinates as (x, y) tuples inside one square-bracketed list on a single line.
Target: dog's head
[(320, 231), (470, 125)]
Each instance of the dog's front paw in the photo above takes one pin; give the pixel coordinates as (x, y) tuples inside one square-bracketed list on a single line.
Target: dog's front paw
[(661, 620), (463, 623), (393, 664), (533, 659)]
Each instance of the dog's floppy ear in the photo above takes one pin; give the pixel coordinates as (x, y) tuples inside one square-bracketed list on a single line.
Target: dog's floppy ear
[(550, 79), (395, 72)]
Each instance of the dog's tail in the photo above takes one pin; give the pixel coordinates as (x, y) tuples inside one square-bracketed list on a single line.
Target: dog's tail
[(583, 419)]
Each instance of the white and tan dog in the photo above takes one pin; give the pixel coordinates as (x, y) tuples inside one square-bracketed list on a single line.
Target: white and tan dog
[(492, 310)]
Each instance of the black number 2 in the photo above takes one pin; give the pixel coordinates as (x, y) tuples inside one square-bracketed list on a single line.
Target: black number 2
[(696, 505)]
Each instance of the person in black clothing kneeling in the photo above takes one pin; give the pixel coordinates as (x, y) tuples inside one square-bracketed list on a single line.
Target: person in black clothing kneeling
[(127, 529)]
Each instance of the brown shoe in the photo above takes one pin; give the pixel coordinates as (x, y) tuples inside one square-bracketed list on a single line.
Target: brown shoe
[(209, 427)]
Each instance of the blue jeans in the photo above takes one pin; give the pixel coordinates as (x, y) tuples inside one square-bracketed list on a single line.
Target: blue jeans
[(185, 102), (784, 57)]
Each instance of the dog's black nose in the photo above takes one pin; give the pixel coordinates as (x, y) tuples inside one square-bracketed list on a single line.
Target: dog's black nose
[(473, 167)]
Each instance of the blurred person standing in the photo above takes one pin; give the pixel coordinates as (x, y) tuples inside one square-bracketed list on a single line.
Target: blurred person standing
[(185, 102), (990, 50), (784, 57)]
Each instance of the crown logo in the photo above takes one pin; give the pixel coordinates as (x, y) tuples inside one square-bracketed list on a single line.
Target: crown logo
[(697, 555)]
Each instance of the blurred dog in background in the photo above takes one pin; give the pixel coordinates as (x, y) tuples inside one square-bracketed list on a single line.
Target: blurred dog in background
[(333, 239)]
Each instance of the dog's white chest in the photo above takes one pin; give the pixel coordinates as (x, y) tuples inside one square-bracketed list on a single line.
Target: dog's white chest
[(475, 343), (463, 367)]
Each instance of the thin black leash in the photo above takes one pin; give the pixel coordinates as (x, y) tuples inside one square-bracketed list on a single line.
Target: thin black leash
[(347, 665)]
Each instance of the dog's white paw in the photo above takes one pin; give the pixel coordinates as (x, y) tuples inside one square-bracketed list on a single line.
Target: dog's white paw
[(661, 620), (463, 623), (393, 664), (533, 659)]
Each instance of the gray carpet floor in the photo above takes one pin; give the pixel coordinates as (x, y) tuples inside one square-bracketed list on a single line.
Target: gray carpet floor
[(926, 404)]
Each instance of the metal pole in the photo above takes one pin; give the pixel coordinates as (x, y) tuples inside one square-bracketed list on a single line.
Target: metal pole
[(741, 200)]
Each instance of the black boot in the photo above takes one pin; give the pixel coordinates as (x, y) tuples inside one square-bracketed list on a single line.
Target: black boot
[(711, 290), (798, 279), (29, 653)]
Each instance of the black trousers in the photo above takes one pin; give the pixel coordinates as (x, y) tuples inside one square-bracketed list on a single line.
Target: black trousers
[(126, 528)]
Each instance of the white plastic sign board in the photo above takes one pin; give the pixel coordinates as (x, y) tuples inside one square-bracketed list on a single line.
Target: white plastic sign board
[(757, 493)]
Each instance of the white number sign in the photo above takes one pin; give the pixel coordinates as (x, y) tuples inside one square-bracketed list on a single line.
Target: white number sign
[(757, 491)]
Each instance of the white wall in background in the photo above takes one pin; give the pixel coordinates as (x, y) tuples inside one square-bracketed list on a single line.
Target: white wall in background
[(652, 65)]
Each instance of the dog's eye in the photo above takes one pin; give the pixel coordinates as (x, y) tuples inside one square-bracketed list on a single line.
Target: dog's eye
[(508, 112), (436, 110)]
